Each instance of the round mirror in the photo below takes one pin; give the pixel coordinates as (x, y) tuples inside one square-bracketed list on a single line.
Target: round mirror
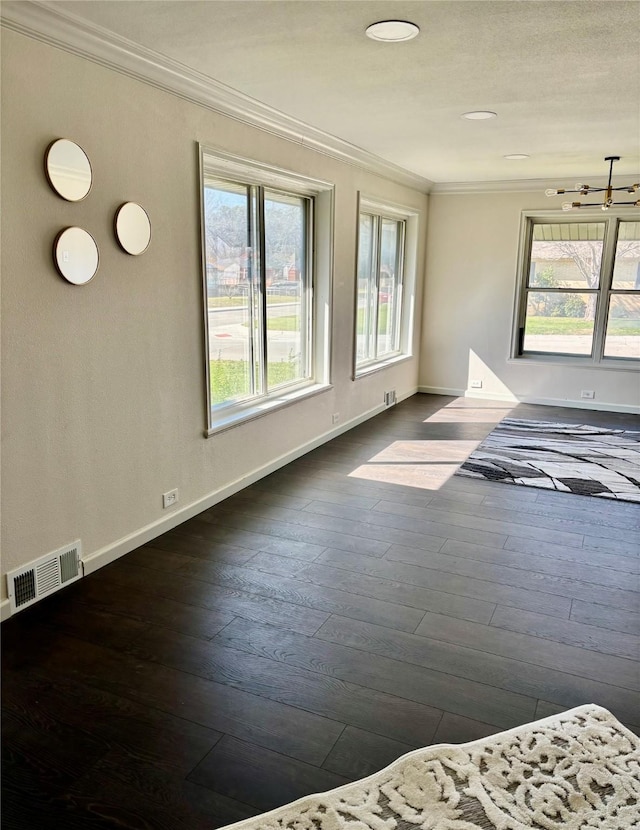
[(133, 228), (75, 254), (68, 170)]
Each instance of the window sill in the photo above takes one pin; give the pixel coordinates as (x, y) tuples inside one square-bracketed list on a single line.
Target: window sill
[(256, 409), (625, 364), (370, 368)]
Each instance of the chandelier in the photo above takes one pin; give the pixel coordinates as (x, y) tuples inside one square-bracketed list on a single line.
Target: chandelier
[(585, 190)]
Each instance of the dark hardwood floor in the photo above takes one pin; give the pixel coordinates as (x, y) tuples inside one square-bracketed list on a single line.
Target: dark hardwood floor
[(352, 606)]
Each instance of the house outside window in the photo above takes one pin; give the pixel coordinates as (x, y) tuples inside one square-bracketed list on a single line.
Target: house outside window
[(385, 277), (261, 269), (579, 293)]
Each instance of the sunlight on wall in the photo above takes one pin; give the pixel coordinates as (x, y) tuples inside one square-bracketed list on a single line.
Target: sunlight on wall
[(492, 386)]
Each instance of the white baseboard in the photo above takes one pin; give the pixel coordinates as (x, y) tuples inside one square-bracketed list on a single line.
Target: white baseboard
[(5, 610), (598, 406), (115, 550), (509, 397), (441, 390)]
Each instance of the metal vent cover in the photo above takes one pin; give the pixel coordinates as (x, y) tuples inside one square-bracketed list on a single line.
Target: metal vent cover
[(390, 398), (43, 576), (25, 587), (69, 564)]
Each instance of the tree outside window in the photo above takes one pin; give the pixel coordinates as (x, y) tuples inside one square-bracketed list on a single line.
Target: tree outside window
[(582, 291)]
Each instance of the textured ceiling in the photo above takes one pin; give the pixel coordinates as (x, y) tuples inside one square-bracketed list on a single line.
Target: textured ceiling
[(563, 76)]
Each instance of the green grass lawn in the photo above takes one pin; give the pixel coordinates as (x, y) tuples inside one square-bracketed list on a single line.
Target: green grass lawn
[(292, 323), (230, 378), (578, 325), (383, 313)]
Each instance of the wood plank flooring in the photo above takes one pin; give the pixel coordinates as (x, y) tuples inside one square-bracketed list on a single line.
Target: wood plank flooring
[(352, 606)]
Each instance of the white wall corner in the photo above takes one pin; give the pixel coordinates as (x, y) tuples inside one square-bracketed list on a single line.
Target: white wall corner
[(404, 395)]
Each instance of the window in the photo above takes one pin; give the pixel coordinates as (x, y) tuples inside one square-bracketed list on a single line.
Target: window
[(580, 290), (260, 280), (385, 236)]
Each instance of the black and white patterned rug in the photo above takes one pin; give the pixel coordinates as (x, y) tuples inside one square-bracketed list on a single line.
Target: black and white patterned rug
[(571, 458)]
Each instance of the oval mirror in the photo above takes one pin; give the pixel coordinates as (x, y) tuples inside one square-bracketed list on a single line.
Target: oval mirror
[(68, 170), (75, 254), (133, 228)]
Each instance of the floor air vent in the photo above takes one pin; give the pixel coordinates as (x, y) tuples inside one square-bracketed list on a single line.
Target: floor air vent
[(43, 576)]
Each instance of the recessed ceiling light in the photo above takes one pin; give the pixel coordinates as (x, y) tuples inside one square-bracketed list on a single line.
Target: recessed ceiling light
[(392, 31), (479, 115), (517, 156)]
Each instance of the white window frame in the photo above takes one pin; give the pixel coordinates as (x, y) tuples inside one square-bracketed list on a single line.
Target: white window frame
[(407, 282), (611, 218), (218, 164)]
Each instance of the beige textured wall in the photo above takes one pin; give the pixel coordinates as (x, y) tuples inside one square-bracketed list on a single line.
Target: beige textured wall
[(103, 385), (472, 252)]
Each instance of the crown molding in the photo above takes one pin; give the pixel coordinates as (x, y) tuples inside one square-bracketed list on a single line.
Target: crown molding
[(525, 185), (64, 30)]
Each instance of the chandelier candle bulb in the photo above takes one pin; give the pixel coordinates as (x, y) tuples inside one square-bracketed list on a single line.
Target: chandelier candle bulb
[(584, 189)]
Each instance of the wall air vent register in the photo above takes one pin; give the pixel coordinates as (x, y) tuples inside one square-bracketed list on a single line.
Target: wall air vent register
[(44, 576)]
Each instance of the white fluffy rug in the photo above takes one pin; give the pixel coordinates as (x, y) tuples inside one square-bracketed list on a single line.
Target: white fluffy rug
[(579, 770)]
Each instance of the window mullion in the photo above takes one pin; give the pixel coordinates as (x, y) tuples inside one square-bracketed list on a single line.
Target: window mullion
[(262, 272), (307, 298), (525, 287), (252, 267), (376, 284), (399, 286), (606, 277)]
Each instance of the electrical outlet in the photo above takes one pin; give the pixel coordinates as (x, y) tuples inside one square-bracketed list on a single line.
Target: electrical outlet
[(335, 417), (589, 394), (476, 384), (170, 498)]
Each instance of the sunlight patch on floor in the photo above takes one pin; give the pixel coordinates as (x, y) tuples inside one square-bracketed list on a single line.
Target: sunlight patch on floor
[(408, 475), (470, 411), (424, 464), (428, 463)]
